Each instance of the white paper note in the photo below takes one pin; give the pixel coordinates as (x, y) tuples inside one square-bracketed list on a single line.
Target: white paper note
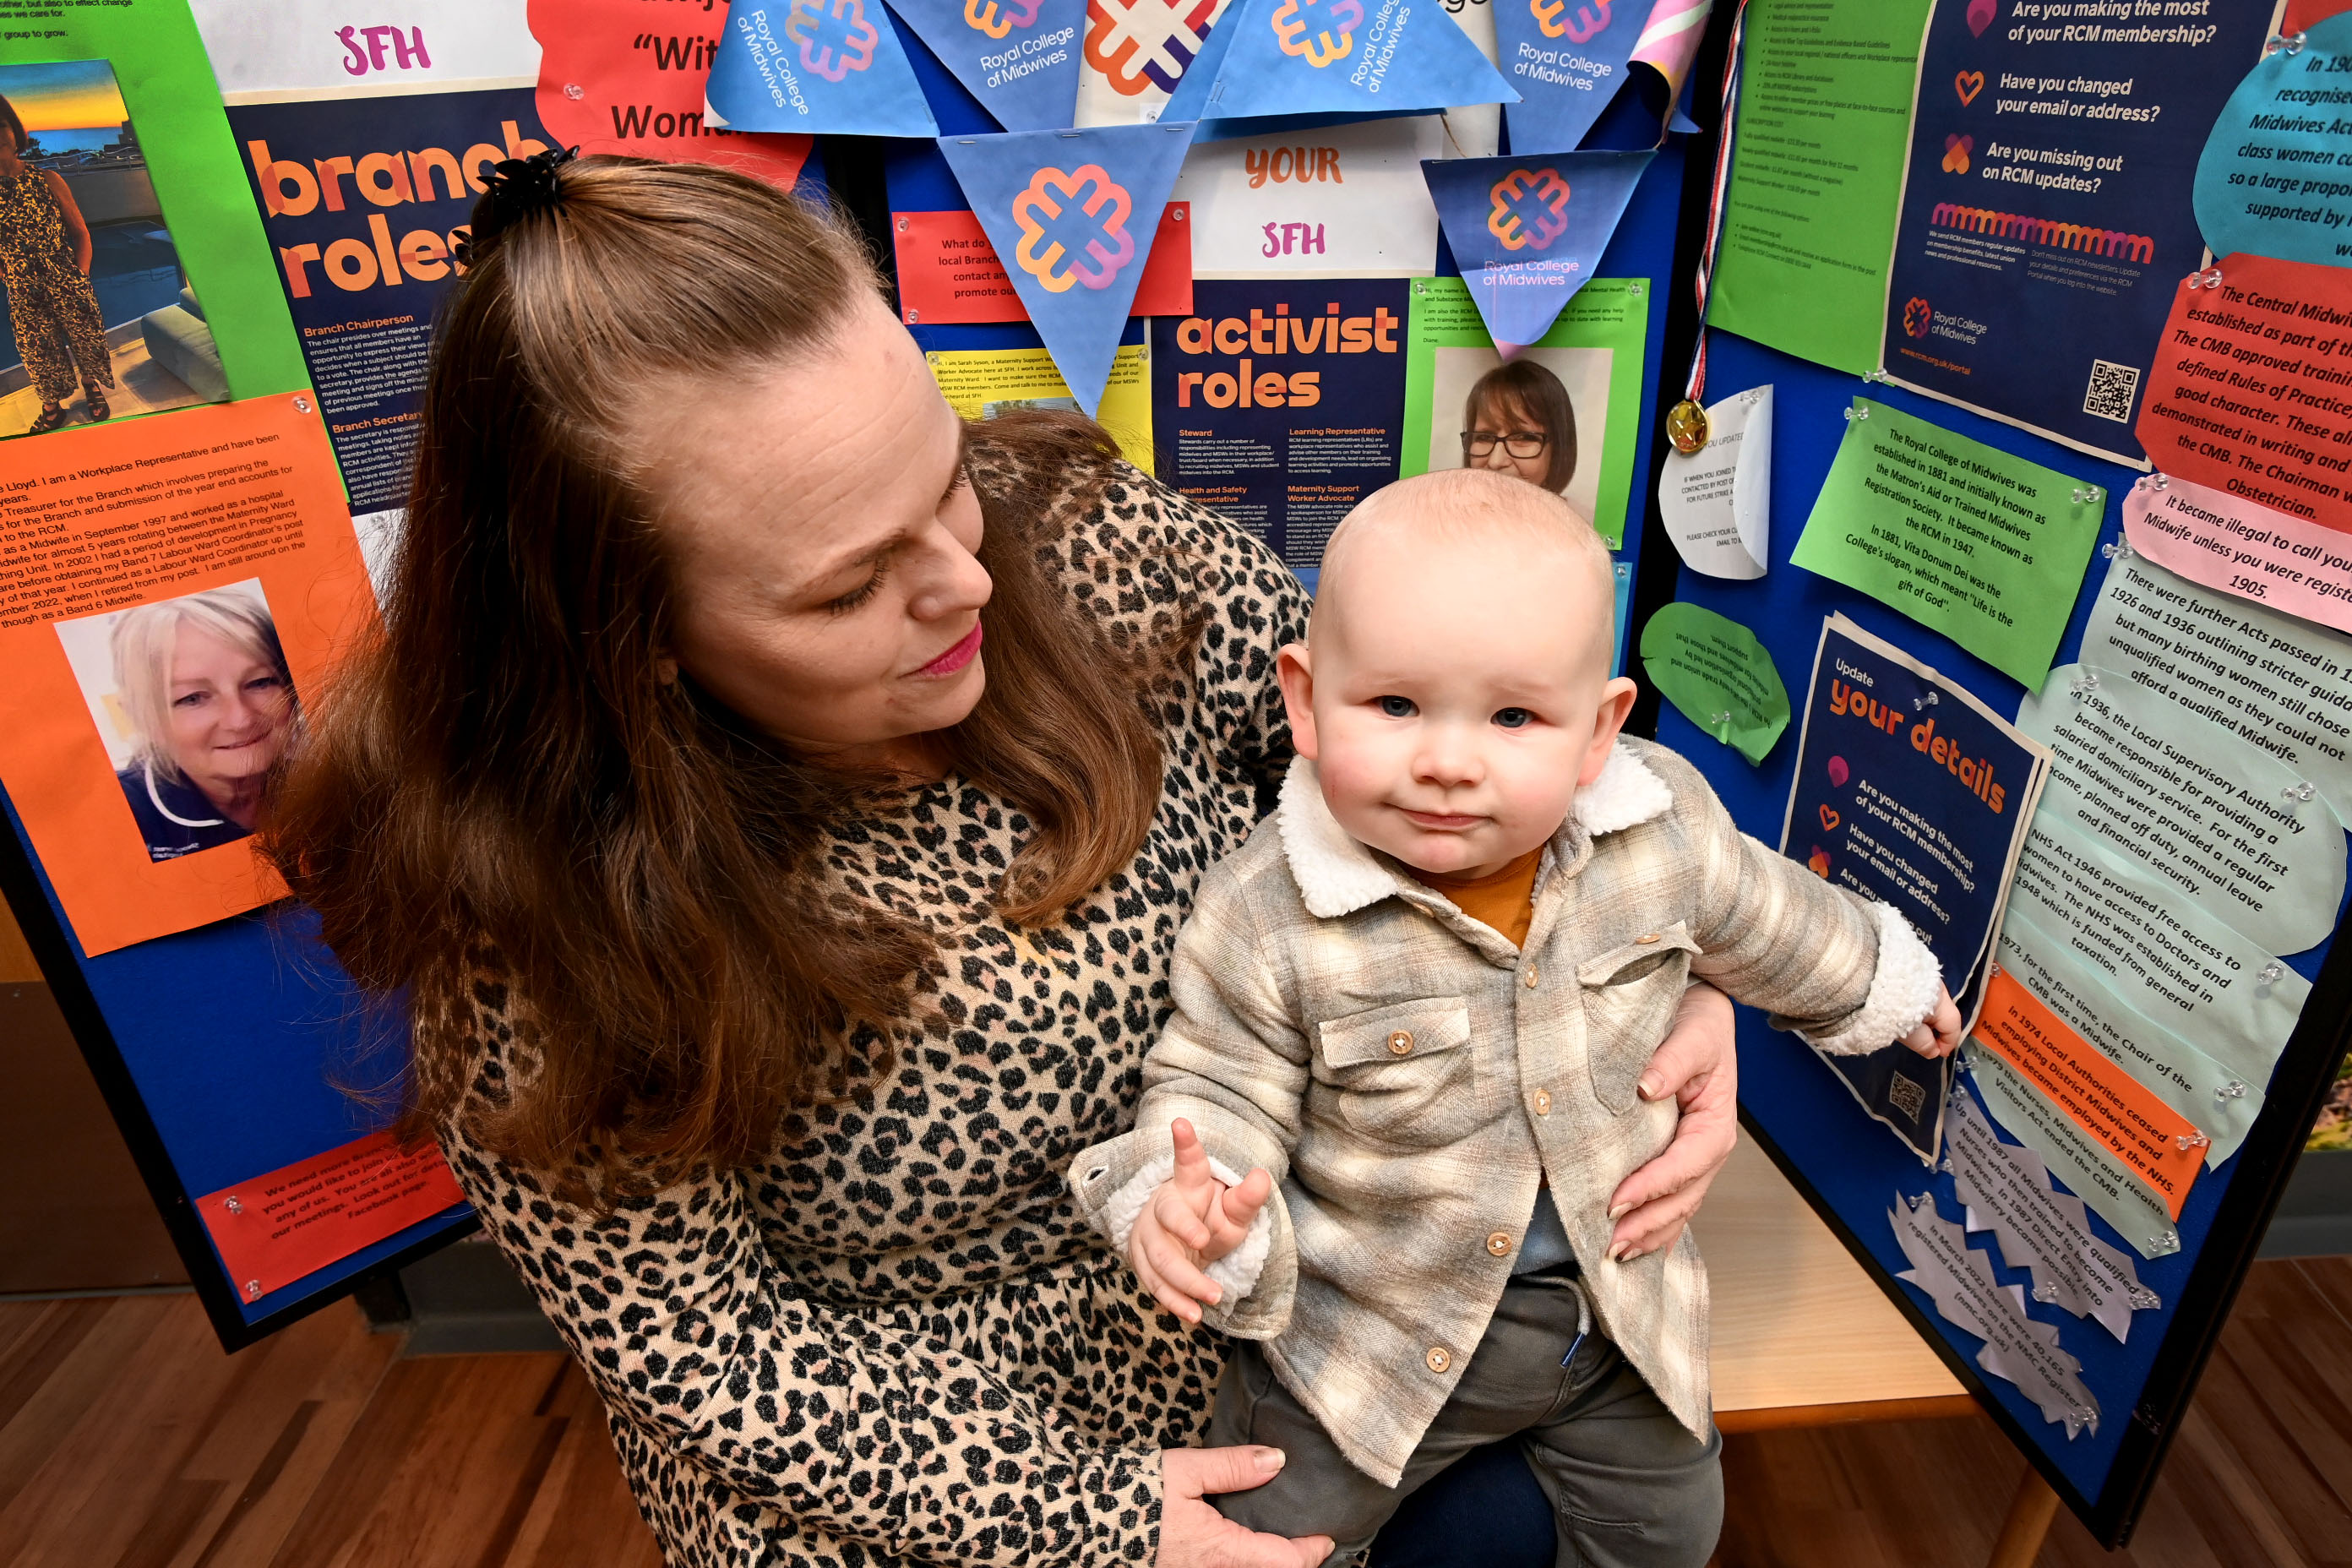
[(1717, 502), (2007, 1190), (1339, 201), (1961, 1282)]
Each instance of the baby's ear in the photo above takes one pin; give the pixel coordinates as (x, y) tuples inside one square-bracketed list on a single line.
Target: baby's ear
[(1616, 703), (1296, 668)]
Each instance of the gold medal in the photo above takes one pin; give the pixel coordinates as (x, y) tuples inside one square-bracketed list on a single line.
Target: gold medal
[(1686, 427)]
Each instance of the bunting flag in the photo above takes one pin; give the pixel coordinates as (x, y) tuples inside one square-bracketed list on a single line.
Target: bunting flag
[(1670, 39), (1136, 53), (1527, 232), (1072, 214), (1019, 58), (832, 65), (1298, 58), (1567, 58)]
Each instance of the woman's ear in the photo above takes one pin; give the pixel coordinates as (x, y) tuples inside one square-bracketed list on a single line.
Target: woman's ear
[(1616, 702), (1295, 666)]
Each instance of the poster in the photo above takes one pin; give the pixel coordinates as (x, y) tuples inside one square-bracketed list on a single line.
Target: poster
[(1580, 386), (1911, 793), (161, 193), (1280, 401), (2046, 205), (169, 590), (1816, 175), (363, 200)]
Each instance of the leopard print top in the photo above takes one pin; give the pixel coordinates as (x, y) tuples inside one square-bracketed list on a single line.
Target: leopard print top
[(895, 1340)]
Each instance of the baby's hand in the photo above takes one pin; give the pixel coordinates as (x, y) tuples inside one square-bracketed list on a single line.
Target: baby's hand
[(1938, 1034), (1192, 1220)]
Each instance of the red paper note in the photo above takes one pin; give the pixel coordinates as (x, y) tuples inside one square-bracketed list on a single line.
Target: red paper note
[(622, 76), (2252, 390), (949, 273), (282, 1226)]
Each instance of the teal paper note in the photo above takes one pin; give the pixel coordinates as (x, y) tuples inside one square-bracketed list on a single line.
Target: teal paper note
[(2219, 1103), (2105, 1186), (2163, 955), (2217, 823), (2280, 684), (2275, 177), (1966, 539)]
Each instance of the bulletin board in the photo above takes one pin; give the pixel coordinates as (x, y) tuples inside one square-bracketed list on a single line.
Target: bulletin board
[(1849, 1163)]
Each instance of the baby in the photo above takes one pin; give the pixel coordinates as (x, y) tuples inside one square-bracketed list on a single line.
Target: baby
[(1415, 1011)]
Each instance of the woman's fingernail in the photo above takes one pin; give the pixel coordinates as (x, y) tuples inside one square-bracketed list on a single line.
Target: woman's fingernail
[(1270, 1460), (1616, 1252), (1215, 1295), (1650, 1088), (1620, 1212)]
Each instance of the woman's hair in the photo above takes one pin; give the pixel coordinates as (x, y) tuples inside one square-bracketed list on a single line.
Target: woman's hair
[(143, 639), (509, 783), (12, 123), (1527, 389)]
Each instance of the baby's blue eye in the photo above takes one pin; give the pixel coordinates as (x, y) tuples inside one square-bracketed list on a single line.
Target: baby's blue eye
[(1398, 707), (1514, 718)]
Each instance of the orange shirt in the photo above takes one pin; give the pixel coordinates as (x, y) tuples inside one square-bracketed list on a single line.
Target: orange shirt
[(1505, 899)]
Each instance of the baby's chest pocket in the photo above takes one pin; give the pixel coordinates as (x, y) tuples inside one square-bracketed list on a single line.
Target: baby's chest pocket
[(1630, 995), (1400, 1073)]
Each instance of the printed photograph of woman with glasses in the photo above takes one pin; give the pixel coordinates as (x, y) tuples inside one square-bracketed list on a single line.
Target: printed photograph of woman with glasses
[(1542, 417)]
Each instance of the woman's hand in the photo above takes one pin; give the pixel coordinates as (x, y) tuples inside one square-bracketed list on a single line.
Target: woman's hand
[(1194, 1534), (1697, 1065)]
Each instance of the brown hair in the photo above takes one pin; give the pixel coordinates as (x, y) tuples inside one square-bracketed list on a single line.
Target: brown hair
[(1538, 396), (501, 788)]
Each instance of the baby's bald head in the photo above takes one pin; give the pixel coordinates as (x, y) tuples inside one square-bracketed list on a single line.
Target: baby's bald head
[(1463, 516)]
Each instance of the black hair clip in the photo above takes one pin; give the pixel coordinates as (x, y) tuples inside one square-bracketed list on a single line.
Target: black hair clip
[(514, 188)]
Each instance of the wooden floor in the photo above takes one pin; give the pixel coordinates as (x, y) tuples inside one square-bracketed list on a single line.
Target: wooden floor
[(127, 1440)]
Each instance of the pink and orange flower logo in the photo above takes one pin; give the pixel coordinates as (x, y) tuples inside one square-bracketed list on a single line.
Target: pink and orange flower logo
[(1917, 317), (1141, 44), (1065, 217), (1290, 30), (1530, 209), (833, 51), (997, 24)]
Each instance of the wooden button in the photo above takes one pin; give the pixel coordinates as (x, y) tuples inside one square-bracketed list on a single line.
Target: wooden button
[(1439, 1358), (1528, 978), (1401, 1042), (1499, 1243), (1543, 1102), (1645, 941)]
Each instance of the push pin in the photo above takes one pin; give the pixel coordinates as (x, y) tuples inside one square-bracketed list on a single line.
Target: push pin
[(1854, 414), (2084, 685), (2085, 493), (2045, 1292), (2185, 1142), (1878, 376), (2212, 277), (1930, 701), (2300, 792), (913, 316), (231, 1205), (2233, 1090), (1723, 720), (2163, 1242), (575, 92), (2270, 973), (2290, 45), (2118, 550), (252, 1289), (2143, 1299)]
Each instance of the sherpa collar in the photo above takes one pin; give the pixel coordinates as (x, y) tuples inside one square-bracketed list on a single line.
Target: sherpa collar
[(1338, 876)]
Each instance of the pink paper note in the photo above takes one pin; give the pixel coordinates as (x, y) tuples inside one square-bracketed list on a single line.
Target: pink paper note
[(2241, 547)]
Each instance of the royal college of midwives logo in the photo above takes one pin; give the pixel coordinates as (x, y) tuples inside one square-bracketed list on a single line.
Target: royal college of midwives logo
[(1290, 30), (819, 25), (1063, 217), (997, 25), (1918, 318), (1140, 44), (1581, 28), (1530, 209)]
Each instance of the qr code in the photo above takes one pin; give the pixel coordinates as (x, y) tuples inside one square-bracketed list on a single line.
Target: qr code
[(2109, 396), (1907, 1096)]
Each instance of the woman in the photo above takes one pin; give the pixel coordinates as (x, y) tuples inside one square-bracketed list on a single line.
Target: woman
[(1517, 420), (777, 925), (45, 258), (203, 684)]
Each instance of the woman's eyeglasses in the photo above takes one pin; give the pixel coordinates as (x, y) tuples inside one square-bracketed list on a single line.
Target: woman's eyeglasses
[(1518, 443)]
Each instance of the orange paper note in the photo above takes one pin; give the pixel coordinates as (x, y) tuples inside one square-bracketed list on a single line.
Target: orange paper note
[(169, 590), (2110, 1105), (280, 1227)]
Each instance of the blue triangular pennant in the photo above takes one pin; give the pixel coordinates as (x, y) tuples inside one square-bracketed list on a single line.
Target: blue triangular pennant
[(815, 65), (1072, 214), (1364, 58), (1527, 232), (1019, 58), (1567, 58)]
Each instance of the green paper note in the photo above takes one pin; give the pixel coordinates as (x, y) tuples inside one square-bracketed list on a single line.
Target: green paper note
[(1817, 177), (167, 86), (1594, 350), (1718, 675), (1966, 539)]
